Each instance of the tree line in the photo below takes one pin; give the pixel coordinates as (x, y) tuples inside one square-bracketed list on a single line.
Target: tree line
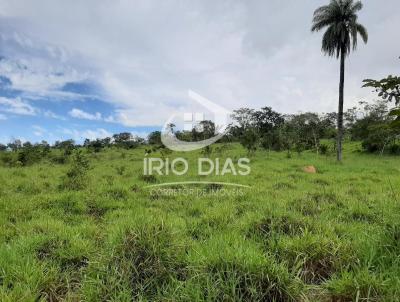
[(376, 125)]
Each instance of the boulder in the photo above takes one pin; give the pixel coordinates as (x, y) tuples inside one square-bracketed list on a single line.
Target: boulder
[(310, 169)]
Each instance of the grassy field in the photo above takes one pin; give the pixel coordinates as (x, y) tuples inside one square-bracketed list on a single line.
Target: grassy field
[(292, 236)]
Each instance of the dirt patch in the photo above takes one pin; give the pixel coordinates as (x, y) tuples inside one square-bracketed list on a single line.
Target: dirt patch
[(310, 169)]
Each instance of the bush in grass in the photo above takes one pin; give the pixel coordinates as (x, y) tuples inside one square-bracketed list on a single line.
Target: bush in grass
[(284, 225), (233, 270), (60, 159), (151, 179), (26, 154), (316, 257), (206, 151), (324, 149), (165, 152), (76, 177), (145, 259), (394, 149), (67, 147), (379, 137), (29, 155), (359, 286), (117, 194), (8, 159), (120, 170), (250, 140), (221, 149)]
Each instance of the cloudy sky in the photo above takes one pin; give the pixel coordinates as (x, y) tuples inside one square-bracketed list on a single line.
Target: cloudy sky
[(87, 69)]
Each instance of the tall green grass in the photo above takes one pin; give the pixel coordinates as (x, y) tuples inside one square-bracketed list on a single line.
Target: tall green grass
[(292, 236)]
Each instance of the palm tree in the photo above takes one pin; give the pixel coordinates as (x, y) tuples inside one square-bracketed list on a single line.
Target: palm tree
[(339, 18)]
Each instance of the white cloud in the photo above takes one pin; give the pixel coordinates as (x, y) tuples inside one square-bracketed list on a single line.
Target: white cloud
[(40, 77), (51, 114), (2, 117), (38, 130), (80, 114), (79, 135), (110, 119), (146, 56), (16, 106)]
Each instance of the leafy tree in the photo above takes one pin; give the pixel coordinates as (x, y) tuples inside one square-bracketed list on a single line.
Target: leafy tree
[(264, 122), (127, 140), (184, 135), (123, 137), (96, 145), (15, 145), (45, 148), (243, 119), (389, 89), (300, 132), (106, 142), (382, 128), (379, 137), (86, 143), (340, 19), (67, 146), (267, 119), (395, 123), (307, 129), (195, 134), (203, 130), (372, 126), (328, 125), (207, 129), (250, 139), (30, 154), (272, 140), (287, 137), (371, 115), (3, 147), (154, 138)]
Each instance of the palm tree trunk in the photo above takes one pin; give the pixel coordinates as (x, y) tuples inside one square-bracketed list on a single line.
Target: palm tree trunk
[(340, 111)]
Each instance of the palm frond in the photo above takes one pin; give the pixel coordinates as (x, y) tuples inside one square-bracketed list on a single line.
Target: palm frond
[(342, 29), (357, 6), (321, 10), (330, 44), (324, 17), (363, 32), (346, 6), (318, 25), (353, 33)]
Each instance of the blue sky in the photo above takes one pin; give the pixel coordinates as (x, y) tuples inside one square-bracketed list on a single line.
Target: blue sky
[(81, 113), (88, 69)]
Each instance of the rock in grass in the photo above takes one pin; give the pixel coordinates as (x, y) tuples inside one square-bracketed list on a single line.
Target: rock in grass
[(310, 169)]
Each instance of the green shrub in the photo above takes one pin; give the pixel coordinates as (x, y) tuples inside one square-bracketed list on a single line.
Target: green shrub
[(324, 149), (120, 170), (76, 177), (8, 159), (144, 260), (148, 178)]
